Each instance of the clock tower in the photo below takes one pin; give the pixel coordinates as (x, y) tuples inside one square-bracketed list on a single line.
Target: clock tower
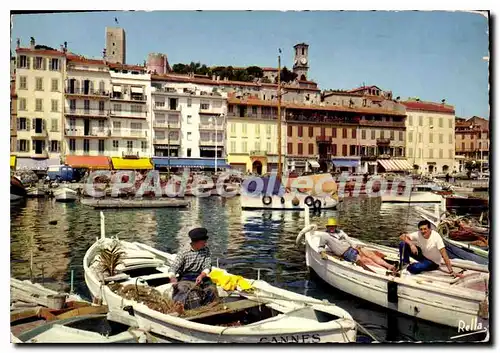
[(301, 61)]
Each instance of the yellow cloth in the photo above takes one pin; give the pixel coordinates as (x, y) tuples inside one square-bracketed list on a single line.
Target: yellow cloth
[(228, 281), (12, 161), (131, 164)]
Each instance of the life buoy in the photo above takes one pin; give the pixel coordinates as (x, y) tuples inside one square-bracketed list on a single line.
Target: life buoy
[(317, 205), (309, 201), (267, 200), (282, 200)]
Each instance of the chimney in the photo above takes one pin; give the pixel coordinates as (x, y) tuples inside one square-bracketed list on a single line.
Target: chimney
[(62, 48), (65, 47), (213, 77), (218, 78), (32, 42), (18, 43)]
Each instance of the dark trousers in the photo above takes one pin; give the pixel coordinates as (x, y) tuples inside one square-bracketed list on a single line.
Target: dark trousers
[(186, 293), (423, 264)]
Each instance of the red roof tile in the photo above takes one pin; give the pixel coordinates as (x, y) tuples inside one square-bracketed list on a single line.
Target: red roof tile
[(429, 107), (126, 67), (40, 51), (84, 60)]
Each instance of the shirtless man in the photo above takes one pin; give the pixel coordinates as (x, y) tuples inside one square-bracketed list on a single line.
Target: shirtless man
[(341, 245)]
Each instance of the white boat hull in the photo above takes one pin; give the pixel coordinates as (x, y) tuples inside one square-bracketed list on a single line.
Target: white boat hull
[(286, 327), (422, 296), (14, 197), (415, 197), (65, 194), (285, 203)]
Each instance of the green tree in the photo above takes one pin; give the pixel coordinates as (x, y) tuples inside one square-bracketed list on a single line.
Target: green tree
[(286, 76), (254, 72)]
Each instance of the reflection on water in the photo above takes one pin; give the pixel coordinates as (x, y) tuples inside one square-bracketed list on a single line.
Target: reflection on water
[(242, 241)]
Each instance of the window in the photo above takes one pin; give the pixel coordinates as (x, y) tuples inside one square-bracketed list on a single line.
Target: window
[(311, 149), (72, 123), (136, 108), (311, 131), (101, 87), (72, 104), (136, 126), (410, 152), (431, 153), (300, 133), (344, 133), (373, 135), (450, 124), (472, 145), (430, 121), (440, 153), (268, 130), (440, 138), (410, 120), (420, 121), (54, 146), (39, 83), (159, 103), (100, 146), (290, 148), (344, 150), (257, 129), (269, 147), (23, 146), (450, 154), (72, 145), (257, 145), (431, 137), (323, 131), (23, 82), (144, 146), (334, 132), (353, 133), (86, 146), (419, 137), (381, 134), (130, 146), (244, 147), (205, 105), (22, 124), (39, 105), (244, 129), (233, 147), (229, 108), (391, 135), (401, 136), (101, 106), (300, 148), (117, 107), (289, 131), (363, 134), (54, 125), (54, 105), (101, 125), (115, 145), (189, 136), (419, 153), (440, 122), (334, 150), (189, 119), (86, 104), (54, 85), (39, 63), (54, 64), (23, 62), (410, 137), (254, 110), (189, 102), (189, 152), (233, 129), (352, 150), (463, 146)]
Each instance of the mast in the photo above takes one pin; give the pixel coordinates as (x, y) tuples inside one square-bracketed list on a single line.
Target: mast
[(280, 171)]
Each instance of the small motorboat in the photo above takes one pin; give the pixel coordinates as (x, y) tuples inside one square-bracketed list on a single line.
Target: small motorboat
[(64, 194), (35, 192)]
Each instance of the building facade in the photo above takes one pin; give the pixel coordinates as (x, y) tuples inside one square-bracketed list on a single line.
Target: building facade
[(430, 136), (39, 86), (472, 141), (87, 107), (13, 115)]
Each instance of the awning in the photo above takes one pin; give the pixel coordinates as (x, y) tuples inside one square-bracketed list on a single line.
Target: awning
[(91, 162), (12, 161), (117, 88), (210, 148), (137, 90), (346, 162), (166, 147), (131, 164), (313, 163), (393, 165), (35, 164), (190, 162)]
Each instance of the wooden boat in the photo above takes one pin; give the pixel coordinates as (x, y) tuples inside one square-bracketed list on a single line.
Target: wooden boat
[(462, 204), (64, 194), (434, 296), (35, 192), (96, 328), (17, 189), (134, 203), (264, 314)]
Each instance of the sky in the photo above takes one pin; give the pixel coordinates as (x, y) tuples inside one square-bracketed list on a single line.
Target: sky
[(429, 55)]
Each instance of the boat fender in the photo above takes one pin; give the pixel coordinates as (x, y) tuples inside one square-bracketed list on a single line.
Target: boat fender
[(317, 205), (267, 200), (295, 201), (392, 292), (309, 201), (282, 200), (309, 228)]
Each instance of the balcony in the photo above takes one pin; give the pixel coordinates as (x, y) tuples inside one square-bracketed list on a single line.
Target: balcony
[(211, 143), (136, 98), (87, 93), (324, 139), (93, 133), (130, 154), (36, 134), (128, 114), (86, 112), (163, 140), (383, 141), (140, 134), (376, 123), (211, 110), (42, 154), (256, 153), (166, 108), (167, 125), (210, 127)]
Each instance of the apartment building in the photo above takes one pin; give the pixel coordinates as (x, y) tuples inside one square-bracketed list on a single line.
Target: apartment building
[(430, 135), (87, 106), (13, 116), (472, 141), (39, 87), (129, 118), (189, 122)]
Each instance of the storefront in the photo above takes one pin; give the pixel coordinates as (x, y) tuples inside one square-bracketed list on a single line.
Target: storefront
[(347, 164)]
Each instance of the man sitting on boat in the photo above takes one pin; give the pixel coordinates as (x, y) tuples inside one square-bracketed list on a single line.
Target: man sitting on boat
[(193, 266), (342, 246), (427, 247)]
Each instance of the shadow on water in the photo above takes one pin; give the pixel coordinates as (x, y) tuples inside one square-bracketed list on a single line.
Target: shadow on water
[(242, 242)]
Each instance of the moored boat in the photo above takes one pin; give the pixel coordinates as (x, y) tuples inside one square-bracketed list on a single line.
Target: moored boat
[(64, 194), (17, 189), (418, 194), (434, 296)]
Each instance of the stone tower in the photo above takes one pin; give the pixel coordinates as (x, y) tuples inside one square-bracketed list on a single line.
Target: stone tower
[(115, 45), (301, 61)]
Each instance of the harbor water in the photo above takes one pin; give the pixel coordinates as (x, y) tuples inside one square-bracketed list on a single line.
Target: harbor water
[(54, 237)]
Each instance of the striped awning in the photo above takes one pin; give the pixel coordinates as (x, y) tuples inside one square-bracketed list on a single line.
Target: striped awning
[(12, 161), (395, 165), (35, 164), (91, 162), (131, 164)]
